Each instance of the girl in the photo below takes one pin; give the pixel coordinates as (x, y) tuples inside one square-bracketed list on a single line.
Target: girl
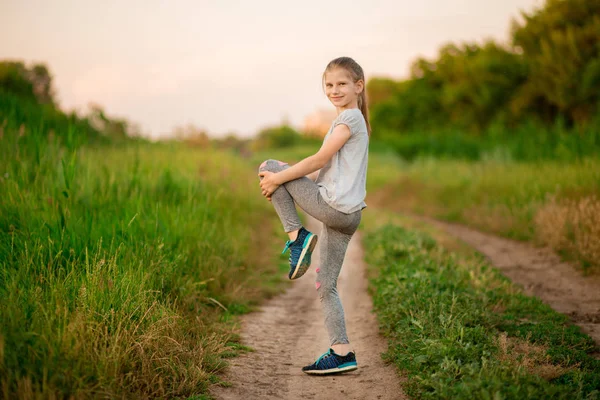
[(334, 195)]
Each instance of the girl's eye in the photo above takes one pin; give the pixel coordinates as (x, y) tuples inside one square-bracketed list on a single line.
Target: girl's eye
[(342, 83)]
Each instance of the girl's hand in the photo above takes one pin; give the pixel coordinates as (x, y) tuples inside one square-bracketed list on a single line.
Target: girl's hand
[(268, 184)]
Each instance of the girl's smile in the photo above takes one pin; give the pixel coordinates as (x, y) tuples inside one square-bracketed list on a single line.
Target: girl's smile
[(341, 90)]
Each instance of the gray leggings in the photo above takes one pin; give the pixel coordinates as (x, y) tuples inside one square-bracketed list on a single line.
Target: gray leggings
[(334, 237)]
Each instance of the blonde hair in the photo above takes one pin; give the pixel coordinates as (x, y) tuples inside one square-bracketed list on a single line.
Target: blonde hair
[(357, 74)]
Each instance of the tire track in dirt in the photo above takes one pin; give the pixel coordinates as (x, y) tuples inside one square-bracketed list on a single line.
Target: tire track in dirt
[(540, 272), (288, 333)]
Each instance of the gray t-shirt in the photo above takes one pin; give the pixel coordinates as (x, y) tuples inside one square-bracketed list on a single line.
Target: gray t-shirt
[(342, 181)]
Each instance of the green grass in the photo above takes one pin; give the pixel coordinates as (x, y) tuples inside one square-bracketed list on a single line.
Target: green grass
[(460, 330), (122, 267), (384, 168), (527, 142)]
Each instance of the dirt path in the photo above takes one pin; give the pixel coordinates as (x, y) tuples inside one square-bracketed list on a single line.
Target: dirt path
[(288, 333), (541, 273)]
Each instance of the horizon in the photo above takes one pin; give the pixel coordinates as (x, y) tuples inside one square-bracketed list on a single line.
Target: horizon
[(230, 72)]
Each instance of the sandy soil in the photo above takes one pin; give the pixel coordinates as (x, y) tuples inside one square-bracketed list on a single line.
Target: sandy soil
[(288, 333), (541, 273)]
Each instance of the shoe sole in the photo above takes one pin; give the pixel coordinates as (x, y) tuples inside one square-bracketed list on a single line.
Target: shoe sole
[(333, 370), (309, 245)]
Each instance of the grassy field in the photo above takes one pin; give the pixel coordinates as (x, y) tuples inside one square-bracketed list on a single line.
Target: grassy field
[(551, 203), (460, 330), (121, 267)]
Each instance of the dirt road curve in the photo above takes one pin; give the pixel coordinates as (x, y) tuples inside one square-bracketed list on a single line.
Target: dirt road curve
[(288, 333), (541, 273)]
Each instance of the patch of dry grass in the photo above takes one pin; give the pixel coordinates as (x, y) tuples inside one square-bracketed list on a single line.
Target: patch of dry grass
[(571, 226), (533, 358)]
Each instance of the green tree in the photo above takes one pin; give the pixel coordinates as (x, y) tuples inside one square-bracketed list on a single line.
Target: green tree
[(560, 43), (478, 82), (41, 80), (13, 79), (276, 137), (467, 86), (34, 83)]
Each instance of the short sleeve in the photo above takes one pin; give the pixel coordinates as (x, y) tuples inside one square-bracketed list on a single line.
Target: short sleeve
[(350, 119)]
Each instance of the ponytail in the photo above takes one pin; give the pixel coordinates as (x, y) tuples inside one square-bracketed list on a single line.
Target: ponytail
[(364, 108)]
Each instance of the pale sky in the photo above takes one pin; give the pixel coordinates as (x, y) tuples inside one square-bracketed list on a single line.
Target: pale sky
[(230, 66)]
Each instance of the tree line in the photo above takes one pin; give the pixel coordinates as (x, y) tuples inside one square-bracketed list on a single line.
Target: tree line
[(28, 104), (548, 73)]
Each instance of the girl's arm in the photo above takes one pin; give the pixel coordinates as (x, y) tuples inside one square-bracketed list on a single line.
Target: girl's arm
[(271, 181), (310, 164)]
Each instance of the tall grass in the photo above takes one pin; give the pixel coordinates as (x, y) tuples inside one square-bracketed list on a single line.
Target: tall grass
[(571, 226), (45, 120), (117, 263)]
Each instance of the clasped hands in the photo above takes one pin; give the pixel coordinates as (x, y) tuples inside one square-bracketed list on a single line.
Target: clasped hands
[(268, 184)]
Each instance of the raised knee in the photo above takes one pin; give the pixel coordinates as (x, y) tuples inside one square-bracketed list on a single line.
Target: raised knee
[(271, 165), (264, 164)]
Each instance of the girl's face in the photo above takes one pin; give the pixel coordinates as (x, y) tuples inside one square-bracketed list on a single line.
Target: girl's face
[(341, 90)]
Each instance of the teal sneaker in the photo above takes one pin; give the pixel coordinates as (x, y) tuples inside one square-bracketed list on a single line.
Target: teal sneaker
[(332, 363), (300, 252)]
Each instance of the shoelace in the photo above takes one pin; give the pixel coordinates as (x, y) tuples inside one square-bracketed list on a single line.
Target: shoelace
[(287, 246), (295, 251), (323, 356)]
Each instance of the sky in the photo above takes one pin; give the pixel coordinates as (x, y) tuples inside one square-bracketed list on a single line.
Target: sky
[(230, 66)]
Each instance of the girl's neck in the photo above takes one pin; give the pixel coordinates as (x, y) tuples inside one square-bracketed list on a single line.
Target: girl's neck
[(349, 106)]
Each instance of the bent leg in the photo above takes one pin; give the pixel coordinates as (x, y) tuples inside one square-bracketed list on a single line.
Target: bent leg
[(305, 192), (281, 199)]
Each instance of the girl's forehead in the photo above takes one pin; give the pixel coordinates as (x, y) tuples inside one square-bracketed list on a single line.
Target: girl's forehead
[(337, 73)]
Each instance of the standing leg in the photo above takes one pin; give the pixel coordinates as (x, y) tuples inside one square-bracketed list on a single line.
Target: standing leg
[(333, 249), (340, 357)]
